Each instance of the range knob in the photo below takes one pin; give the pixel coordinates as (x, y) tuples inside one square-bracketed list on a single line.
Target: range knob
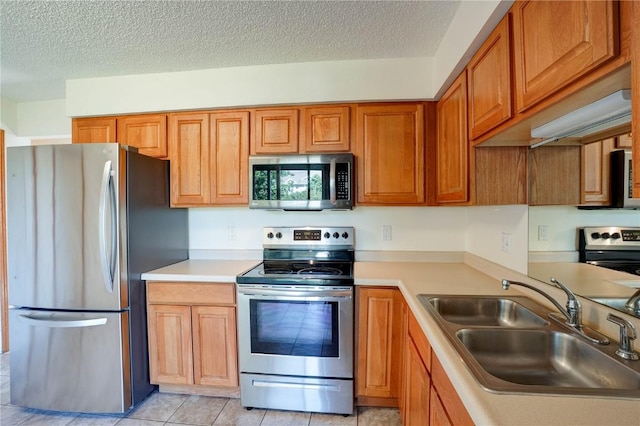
[(345, 235), (595, 235), (605, 235), (336, 235), (278, 235), (327, 235), (270, 235), (615, 235)]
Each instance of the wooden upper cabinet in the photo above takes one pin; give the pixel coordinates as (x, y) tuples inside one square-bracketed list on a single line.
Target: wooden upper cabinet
[(556, 42), (189, 155), (275, 131), (595, 166), (146, 132), (624, 141), (489, 82), (93, 130), (390, 154), (325, 129), (554, 175), (452, 147), (230, 157)]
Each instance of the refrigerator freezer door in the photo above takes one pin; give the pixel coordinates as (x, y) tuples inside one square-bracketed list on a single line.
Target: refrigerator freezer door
[(70, 361), (62, 223)]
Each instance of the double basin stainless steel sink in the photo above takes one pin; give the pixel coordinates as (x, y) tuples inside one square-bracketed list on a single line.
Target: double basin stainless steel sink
[(510, 347)]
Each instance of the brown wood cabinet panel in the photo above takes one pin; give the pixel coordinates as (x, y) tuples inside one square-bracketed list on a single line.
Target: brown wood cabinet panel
[(214, 346), (417, 385), (453, 406), (326, 129), (437, 413), (390, 154), (170, 352), (146, 132), (230, 157), (190, 293), (624, 141), (489, 82), (275, 131), (189, 155), (556, 42), (452, 148), (379, 356), (500, 175), (93, 130), (420, 340), (595, 166), (554, 176)]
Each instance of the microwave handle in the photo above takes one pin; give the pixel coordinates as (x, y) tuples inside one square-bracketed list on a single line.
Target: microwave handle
[(332, 181)]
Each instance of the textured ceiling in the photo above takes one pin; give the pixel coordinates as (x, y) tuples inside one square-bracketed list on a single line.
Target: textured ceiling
[(44, 43)]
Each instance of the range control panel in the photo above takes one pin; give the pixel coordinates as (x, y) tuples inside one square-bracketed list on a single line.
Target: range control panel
[(326, 237), (609, 238)]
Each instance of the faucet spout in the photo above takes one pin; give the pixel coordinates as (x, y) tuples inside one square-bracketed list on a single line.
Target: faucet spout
[(634, 302), (572, 312)]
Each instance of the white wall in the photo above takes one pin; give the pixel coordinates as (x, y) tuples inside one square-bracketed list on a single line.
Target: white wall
[(486, 228), (562, 221), (413, 228)]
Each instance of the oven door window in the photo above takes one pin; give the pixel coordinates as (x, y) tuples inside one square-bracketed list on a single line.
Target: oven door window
[(294, 328), (291, 182)]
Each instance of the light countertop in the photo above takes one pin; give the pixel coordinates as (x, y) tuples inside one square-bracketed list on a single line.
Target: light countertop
[(413, 278)]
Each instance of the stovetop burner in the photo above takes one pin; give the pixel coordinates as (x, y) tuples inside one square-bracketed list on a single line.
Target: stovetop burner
[(304, 256)]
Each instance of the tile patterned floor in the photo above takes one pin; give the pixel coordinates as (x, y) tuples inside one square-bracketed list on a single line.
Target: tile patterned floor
[(172, 409)]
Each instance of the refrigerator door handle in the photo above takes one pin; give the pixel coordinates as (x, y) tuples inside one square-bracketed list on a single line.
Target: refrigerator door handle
[(107, 195), (62, 323)]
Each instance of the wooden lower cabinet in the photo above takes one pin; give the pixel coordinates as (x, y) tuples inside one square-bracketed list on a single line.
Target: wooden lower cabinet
[(191, 340), (430, 398), (380, 344)]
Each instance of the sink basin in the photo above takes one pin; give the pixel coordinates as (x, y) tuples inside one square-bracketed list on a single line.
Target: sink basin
[(485, 311), (546, 358), (509, 347)]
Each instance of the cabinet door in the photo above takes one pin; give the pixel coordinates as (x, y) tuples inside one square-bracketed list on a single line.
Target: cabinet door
[(93, 130), (275, 131), (437, 413), (379, 351), (230, 157), (326, 129), (148, 133), (448, 397), (190, 161), (170, 353), (215, 346), (556, 42), (390, 154), (635, 95), (417, 385), (452, 149), (489, 80), (595, 187)]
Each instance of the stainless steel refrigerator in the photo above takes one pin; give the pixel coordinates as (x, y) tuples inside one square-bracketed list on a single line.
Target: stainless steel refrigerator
[(83, 222)]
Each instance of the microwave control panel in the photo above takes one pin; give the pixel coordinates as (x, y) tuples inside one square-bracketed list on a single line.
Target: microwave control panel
[(343, 186)]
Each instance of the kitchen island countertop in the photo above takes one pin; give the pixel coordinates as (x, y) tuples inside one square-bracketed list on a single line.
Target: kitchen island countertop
[(413, 278)]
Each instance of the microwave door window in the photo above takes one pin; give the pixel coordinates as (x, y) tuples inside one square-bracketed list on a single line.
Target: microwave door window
[(291, 183)]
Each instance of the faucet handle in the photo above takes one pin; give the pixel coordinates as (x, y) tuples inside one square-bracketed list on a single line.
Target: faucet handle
[(627, 335)]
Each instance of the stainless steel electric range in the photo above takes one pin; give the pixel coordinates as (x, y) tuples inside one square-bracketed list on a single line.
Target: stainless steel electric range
[(611, 247), (295, 321)]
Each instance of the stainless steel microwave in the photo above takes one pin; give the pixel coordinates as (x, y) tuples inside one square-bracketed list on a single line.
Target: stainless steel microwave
[(301, 182), (622, 181)]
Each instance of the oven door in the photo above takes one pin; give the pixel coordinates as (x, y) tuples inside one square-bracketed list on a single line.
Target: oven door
[(296, 330)]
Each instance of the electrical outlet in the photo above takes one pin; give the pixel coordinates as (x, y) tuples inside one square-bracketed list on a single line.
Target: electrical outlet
[(506, 242), (232, 233), (543, 232), (386, 232)]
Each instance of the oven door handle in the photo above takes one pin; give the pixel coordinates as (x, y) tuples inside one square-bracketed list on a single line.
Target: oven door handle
[(297, 294)]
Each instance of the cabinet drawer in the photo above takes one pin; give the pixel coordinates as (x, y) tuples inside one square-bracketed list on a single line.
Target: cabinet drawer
[(190, 293)]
